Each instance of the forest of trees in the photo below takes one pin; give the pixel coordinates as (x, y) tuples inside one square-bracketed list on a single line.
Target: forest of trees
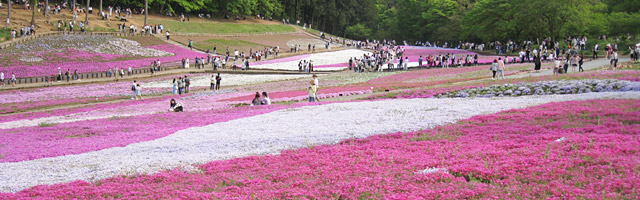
[(429, 20)]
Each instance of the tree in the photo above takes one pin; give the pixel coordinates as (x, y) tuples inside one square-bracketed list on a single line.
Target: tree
[(74, 11), (86, 17), (46, 8), (146, 10), (358, 31), (100, 7), (9, 12), (34, 4)]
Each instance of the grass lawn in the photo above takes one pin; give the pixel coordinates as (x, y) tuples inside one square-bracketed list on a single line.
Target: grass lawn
[(5, 34), (146, 41), (222, 43), (200, 27)]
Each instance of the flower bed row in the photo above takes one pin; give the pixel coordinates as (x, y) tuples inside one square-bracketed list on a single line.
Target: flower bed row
[(97, 65), (546, 88), (569, 150)]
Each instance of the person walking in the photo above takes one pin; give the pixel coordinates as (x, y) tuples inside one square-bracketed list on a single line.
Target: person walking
[(187, 84), (67, 74), (556, 66), (1, 78), (175, 87), (494, 69), (580, 62), (180, 86), (315, 80), (500, 68), (213, 83), (13, 79), (133, 89), (406, 63), (218, 79), (312, 93), (574, 63), (614, 59), (537, 62), (138, 92), (637, 53)]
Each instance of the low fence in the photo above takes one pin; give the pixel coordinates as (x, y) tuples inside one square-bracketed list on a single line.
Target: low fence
[(95, 75)]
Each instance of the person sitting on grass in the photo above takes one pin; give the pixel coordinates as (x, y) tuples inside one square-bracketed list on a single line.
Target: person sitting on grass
[(175, 106), (256, 100), (265, 99)]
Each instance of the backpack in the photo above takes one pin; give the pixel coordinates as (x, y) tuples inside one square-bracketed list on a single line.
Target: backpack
[(133, 88)]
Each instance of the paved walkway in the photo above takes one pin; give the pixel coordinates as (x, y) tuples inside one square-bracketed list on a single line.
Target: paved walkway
[(145, 76)]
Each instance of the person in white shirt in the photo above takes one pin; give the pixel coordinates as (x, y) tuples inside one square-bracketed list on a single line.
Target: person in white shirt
[(614, 59), (2, 78), (133, 89), (315, 81), (556, 66), (265, 99)]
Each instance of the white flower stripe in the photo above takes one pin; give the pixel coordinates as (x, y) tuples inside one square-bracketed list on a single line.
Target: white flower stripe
[(268, 134)]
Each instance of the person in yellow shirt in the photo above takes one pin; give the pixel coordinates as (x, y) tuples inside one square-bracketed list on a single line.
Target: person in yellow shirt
[(312, 92)]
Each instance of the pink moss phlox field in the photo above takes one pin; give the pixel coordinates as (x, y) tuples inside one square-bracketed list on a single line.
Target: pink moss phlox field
[(567, 150), (30, 143), (88, 65), (23, 100), (52, 57), (25, 106), (302, 94), (103, 108)]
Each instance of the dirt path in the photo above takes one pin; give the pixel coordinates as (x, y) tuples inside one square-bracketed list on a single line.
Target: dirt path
[(590, 65)]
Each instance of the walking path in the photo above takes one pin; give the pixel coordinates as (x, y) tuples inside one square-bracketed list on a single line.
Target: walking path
[(591, 65), (145, 76)]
